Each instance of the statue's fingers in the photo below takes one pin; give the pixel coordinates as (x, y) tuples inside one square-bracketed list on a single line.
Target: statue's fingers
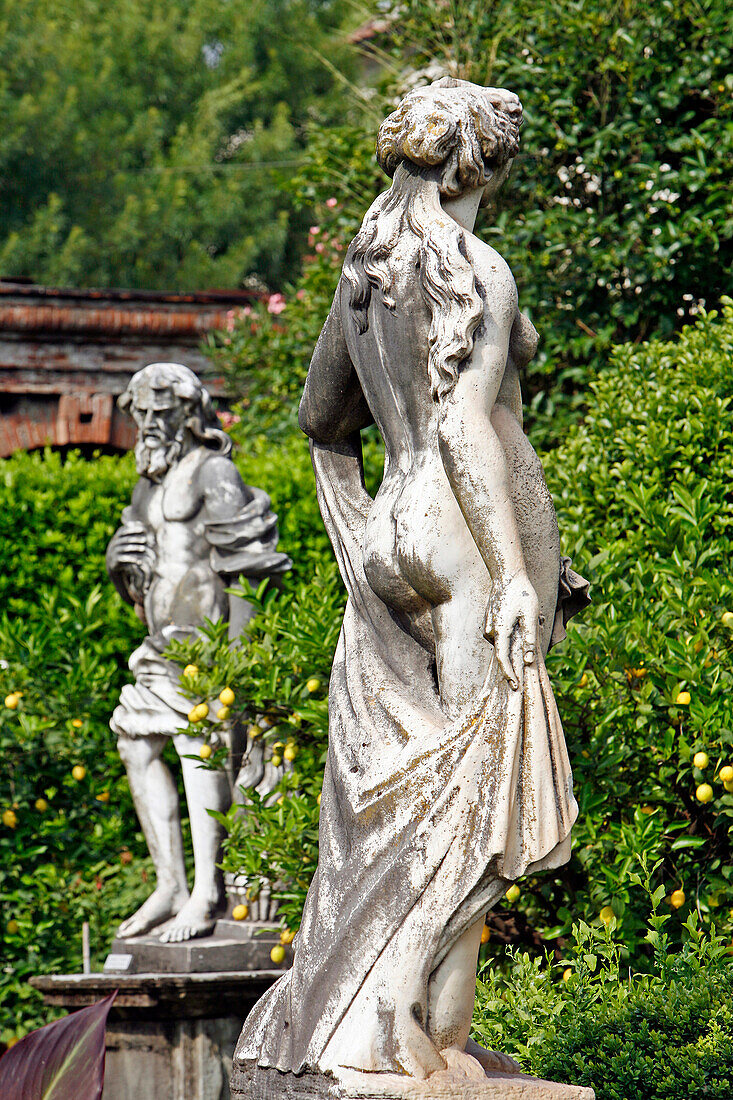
[(503, 656)]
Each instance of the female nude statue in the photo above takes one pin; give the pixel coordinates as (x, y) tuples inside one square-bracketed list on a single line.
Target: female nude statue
[(447, 774)]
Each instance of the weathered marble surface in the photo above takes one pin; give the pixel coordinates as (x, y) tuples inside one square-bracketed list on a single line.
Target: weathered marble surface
[(192, 528), (447, 775), (252, 1083)]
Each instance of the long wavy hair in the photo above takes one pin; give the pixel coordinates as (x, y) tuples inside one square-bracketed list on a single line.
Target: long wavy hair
[(442, 140)]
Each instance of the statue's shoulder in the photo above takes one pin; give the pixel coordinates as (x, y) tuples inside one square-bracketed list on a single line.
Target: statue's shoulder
[(491, 269), (182, 495)]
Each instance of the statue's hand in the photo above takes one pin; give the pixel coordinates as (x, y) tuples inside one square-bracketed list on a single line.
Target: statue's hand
[(512, 624), (130, 555)]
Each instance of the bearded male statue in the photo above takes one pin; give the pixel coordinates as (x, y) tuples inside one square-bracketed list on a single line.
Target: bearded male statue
[(192, 528)]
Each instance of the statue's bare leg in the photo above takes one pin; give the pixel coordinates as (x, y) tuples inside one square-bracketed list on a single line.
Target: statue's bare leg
[(206, 789), (462, 655), (156, 801)]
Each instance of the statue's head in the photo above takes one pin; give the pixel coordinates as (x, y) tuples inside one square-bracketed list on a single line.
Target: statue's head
[(173, 412), (466, 134)]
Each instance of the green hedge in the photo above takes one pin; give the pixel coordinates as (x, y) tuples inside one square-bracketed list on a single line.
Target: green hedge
[(658, 1036)]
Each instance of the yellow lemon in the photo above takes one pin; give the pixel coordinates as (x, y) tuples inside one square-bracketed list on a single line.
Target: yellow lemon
[(190, 671), (223, 713), (226, 697), (727, 619), (726, 774), (704, 793), (78, 772), (254, 733), (103, 796), (276, 760), (205, 752), (513, 893), (77, 723), (567, 974), (318, 800), (12, 700), (583, 680), (728, 786), (13, 927), (701, 760), (677, 898), (41, 805), (287, 936), (240, 912), (485, 934), (10, 819), (198, 713), (291, 752), (607, 914), (313, 685), (278, 954), (683, 699)]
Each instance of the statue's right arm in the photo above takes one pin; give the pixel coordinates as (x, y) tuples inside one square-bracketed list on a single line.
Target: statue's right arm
[(333, 405), (475, 463)]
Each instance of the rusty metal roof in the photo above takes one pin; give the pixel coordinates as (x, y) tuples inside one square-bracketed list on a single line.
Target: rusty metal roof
[(32, 311)]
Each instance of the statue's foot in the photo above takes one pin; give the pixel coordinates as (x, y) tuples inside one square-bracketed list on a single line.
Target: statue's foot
[(195, 918), (160, 907), (461, 1064), (492, 1060)]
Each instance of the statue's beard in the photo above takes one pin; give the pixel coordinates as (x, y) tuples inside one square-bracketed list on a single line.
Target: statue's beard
[(155, 462)]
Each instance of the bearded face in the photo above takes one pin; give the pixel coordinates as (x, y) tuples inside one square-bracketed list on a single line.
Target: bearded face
[(161, 431)]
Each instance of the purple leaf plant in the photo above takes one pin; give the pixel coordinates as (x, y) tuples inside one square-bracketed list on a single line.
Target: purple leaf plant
[(61, 1061)]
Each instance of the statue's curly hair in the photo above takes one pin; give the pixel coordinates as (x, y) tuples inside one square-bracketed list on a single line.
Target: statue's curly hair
[(202, 421), (446, 138), (462, 129)]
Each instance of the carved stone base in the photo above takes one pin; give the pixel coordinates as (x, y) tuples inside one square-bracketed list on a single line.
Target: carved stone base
[(233, 946), (249, 1082), (168, 1036)]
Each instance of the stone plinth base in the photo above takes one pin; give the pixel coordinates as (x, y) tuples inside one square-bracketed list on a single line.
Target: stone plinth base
[(249, 1082), (233, 946), (169, 1036)]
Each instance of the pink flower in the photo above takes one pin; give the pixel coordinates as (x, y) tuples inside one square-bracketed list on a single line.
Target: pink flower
[(246, 311), (227, 419), (229, 322), (276, 303), (331, 202), (300, 294), (314, 230), (320, 246)]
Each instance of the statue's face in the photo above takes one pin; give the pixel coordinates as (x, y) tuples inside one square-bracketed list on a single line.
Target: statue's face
[(161, 418)]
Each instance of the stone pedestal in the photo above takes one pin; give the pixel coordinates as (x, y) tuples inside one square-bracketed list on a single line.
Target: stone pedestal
[(233, 946), (249, 1082), (179, 1009)]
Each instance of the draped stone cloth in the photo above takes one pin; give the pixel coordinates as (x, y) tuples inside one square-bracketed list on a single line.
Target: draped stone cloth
[(423, 822)]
